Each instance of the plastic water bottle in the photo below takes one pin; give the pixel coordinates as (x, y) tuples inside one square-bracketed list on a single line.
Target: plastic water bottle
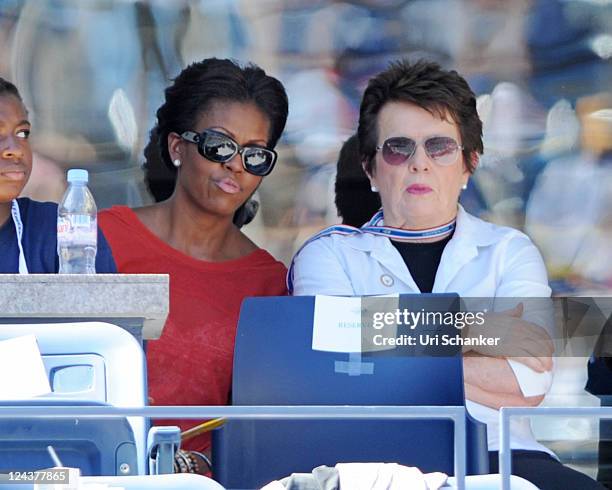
[(77, 227)]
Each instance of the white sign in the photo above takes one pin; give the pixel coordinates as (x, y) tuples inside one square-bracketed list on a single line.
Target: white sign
[(337, 324), (22, 372)]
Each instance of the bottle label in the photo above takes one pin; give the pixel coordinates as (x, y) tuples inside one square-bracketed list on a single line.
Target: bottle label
[(77, 229)]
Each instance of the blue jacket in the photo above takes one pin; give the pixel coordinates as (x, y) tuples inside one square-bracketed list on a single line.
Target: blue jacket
[(40, 241)]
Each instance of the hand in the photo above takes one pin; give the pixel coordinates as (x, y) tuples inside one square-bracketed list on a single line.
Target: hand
[(497, 400), (519, 339)]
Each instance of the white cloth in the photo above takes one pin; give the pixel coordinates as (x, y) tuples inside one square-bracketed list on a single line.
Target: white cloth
[(380, 476), (482, 260), (387, 476)]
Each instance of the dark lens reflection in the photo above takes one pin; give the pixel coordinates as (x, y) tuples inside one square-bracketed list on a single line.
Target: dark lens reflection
[(441, 149), (219, 148), (397, 150), (258, 160)]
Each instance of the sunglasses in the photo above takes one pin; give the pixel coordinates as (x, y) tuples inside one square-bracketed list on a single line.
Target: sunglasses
[(220, 148), (442, 150)]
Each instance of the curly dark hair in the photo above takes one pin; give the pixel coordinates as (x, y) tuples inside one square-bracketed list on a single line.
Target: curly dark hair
[(192, 93), (427, 85), (7, 88)]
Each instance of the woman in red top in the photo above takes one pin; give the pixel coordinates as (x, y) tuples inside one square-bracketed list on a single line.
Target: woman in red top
[(216, 132)]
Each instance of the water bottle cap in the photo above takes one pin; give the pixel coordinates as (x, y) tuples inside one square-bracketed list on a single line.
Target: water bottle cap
[(78, 175)]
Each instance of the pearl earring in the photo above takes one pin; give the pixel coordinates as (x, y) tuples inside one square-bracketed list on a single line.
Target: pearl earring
[(374, 188), (177, 163), (464, 186)]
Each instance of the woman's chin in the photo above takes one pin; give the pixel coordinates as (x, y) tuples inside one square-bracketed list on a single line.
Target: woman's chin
[(422, 216), (7, 195), (421, 208)]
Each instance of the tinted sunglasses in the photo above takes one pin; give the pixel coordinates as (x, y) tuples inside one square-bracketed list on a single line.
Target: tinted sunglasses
[(220, 148), (442, 150)]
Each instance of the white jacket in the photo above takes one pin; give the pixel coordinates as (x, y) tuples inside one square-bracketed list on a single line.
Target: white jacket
[(481, 260)]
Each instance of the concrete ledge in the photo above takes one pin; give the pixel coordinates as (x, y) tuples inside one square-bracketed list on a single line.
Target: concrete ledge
[(142, 297)]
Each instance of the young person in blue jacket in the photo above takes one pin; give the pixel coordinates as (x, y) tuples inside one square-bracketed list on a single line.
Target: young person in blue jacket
[(28, 229)]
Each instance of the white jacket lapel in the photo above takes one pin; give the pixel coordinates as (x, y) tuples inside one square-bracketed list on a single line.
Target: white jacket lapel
[(382, 251), (470, 233), (389, 257)]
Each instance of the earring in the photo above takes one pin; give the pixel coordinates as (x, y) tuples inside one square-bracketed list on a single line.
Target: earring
[(374, 188), (176, 163), (464, 186)]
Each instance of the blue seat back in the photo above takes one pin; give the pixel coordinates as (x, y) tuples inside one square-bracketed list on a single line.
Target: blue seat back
[(274, 364)]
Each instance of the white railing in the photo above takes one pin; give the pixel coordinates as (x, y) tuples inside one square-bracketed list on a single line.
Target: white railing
[(505, 413)]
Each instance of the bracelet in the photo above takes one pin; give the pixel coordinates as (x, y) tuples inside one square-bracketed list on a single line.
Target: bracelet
[(195, 467), (183, 463), (204, 458), (187, 461)]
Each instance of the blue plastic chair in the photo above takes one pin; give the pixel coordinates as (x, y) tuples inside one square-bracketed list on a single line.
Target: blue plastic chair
[(275, 365)]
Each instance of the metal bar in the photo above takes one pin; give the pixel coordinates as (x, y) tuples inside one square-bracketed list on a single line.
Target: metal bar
[(505, 459), (454, 413), (460, 449), (236, 412), (505, 455)]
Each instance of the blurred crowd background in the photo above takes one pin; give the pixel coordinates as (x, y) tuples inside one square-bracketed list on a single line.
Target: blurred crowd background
[(92, 73)]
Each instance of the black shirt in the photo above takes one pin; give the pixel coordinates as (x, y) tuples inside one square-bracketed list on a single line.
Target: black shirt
[(422, 260)]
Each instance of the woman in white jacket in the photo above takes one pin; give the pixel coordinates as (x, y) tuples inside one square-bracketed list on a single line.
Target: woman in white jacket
[(420, 138)]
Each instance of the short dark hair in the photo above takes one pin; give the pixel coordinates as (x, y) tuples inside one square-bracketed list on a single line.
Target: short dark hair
[(192, 93), (355, 201), (427, 85), (7, 88)]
